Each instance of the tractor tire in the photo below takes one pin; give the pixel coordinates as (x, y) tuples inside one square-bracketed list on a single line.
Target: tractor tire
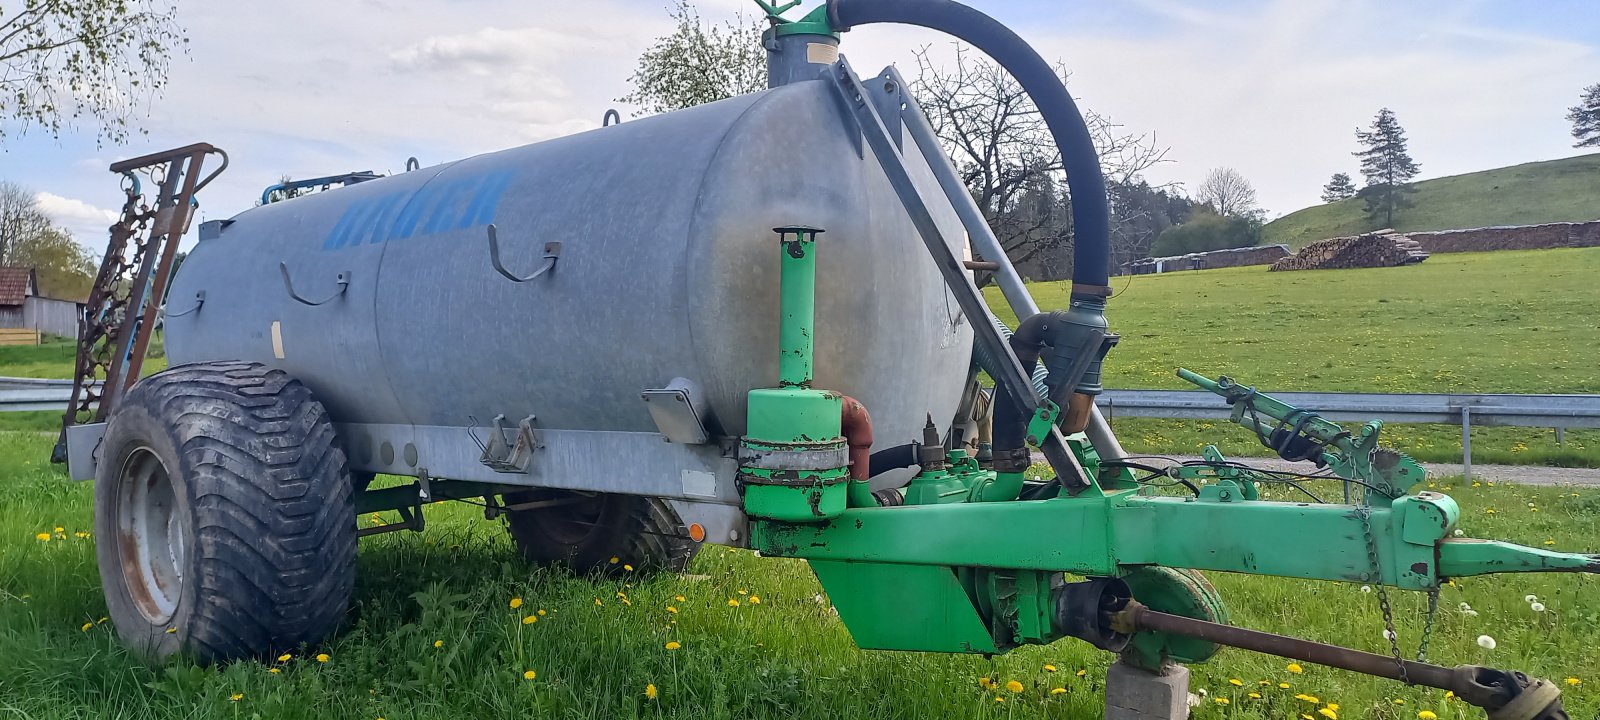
[(224, 515), (598, 532)]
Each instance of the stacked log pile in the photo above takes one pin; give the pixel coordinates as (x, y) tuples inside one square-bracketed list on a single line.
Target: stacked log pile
[(1383, 248), (1512, 237)]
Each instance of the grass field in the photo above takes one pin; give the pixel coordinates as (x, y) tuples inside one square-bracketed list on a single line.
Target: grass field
[(1553, 191), (593, 655), (1517, 322)]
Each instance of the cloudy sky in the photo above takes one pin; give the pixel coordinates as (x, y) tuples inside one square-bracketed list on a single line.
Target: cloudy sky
[(1273, 88)]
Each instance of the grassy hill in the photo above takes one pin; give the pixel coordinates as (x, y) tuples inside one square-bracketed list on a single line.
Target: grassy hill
[(1566, 190)]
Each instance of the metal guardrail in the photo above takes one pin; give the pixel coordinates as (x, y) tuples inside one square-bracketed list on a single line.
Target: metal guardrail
[(1552, 411)]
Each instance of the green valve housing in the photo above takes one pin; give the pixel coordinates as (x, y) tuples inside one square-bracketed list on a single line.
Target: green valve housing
[(794, 461)]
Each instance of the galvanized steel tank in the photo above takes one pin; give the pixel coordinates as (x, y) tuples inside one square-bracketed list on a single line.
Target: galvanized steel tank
[(668, 268)]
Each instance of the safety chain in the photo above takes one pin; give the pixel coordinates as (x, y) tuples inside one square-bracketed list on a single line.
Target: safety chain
[(1365, 511), (109, 299)]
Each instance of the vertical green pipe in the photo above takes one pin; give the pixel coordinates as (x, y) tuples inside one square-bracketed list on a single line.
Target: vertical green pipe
[(798, 305)]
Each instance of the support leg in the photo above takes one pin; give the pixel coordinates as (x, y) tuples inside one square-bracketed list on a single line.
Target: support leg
[(1466, 442), (1137, 694)]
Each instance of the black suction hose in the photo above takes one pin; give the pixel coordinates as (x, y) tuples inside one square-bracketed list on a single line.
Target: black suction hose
[(1091, 214)]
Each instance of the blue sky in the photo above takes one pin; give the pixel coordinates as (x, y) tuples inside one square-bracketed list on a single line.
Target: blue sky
[(1273, 88)]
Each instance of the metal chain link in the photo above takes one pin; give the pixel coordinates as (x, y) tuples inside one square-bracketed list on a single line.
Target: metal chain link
[(1427, 624), (1365, 511)]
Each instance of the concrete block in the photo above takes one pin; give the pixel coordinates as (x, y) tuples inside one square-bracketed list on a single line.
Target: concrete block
[(1137, 694)]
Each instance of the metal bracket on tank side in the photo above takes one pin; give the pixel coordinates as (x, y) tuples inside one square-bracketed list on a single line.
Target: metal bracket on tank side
[(552, 253), (504, 458), (1013, 378), (889, 95)]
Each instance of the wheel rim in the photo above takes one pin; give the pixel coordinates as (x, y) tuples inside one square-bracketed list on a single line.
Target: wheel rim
[(150, 536)]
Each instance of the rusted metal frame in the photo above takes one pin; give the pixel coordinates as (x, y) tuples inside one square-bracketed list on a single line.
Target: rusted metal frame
[(182, 207), (120, 374)]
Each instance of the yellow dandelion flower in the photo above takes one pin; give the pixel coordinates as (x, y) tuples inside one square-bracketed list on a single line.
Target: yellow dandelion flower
[(60, 529), (679, 598), (627, 602), (733, 602), (999, 699), (286, 657), (672, 609), (755, 599), (1255, 695), (438, 643), (1549, 542), (597, 601), (1236, 682), (1221, 701), (1574, 681), (1428, 715), (1329, 714), (621, 594), (1049, 668), (516, 602), (541, 612), (985, 683), (531, 619), (81, 535), (1448, 694), (172, 630), (743, 591), (1013, 686), (1295, 668), (1264, 683), (42, 537), (1082, 673), (274, 671), (615, 559), (627, 567), (86, 627), (1304, 716), (529, 674), (1283, 685), (101, 621), (650, 691), (1307, 698), (236, 697), (323, 657), (1398, 701), (1058, 691), (1333, 706), (673, 645)]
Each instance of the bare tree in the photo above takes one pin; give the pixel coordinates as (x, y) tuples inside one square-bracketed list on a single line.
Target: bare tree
[(60, 60), (20, 217), (1227, 192), (1005, 153)]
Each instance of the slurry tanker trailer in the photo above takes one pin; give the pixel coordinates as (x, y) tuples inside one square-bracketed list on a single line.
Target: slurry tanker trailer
[(752, 323)]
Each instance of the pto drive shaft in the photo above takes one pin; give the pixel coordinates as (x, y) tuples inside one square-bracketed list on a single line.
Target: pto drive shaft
[(1506, 695)]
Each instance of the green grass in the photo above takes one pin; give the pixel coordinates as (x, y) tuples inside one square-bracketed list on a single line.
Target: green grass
[(55, 358), (1516, 322), (786, 657), (1540, 192)]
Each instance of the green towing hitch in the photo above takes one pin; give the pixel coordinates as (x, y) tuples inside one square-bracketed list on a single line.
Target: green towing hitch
[(972, 561)]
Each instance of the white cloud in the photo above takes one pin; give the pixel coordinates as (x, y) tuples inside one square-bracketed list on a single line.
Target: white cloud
[(87, 222)]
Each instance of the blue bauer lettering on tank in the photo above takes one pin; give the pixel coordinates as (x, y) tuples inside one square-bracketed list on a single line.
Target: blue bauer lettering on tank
[(438, 206)]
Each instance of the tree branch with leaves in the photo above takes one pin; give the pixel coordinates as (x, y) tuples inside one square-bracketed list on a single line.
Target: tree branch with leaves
[(61, 60)]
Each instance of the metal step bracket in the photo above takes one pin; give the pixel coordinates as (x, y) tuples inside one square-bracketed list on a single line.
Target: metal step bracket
[(501, 456)]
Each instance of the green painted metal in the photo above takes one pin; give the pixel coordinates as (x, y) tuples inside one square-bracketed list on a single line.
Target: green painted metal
[(792, 458), (798, 303), (1460, 557), (813, 23), (905, 607), (1178, 592)]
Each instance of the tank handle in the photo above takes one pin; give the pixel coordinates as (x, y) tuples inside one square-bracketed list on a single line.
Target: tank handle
[(552, 252), (612, 117), (199, 300), (342, 278)]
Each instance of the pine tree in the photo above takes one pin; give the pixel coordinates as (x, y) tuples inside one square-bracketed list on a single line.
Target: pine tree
[(1585, 117), (1387, 167), (1339, 188)]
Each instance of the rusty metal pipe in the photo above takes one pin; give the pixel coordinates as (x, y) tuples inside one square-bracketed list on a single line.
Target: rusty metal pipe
[(856, 426), (1484, 687)]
